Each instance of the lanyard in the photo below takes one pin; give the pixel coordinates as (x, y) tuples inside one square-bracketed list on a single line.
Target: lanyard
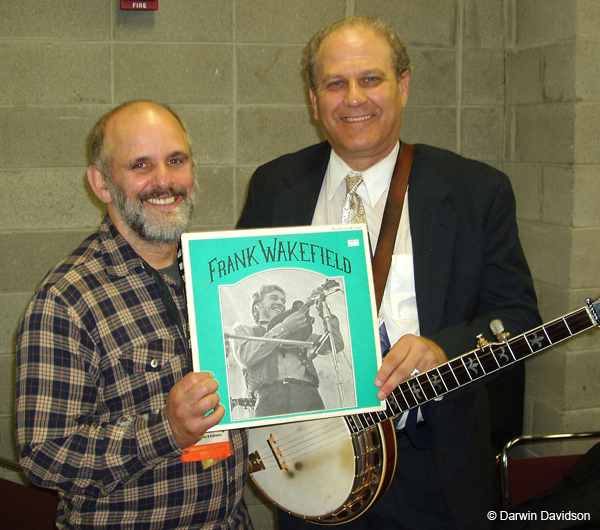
[(170, 305)]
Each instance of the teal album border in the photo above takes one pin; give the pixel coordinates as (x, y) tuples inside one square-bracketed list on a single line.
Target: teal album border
[(224, 269)]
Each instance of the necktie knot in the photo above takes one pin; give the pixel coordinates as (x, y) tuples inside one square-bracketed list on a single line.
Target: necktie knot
[(353, 210), (353, 181)]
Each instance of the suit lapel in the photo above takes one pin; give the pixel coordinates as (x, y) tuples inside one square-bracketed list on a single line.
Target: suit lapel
[(433, 228), (296, 204)]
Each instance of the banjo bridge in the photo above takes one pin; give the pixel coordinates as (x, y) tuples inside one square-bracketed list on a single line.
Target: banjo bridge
[(277, 453)]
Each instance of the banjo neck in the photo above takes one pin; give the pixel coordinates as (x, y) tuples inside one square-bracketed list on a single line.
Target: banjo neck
[(486, 359)]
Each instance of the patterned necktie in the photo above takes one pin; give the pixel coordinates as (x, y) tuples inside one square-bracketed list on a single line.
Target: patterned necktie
[(353, 210)]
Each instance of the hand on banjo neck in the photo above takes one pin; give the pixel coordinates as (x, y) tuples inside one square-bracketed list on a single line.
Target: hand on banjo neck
[(329, 471)]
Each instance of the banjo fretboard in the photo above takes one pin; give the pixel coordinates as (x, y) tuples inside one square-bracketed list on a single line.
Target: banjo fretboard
[(478, 363)]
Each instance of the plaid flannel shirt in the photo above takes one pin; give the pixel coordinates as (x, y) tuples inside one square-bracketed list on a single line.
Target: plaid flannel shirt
[(97, 356)]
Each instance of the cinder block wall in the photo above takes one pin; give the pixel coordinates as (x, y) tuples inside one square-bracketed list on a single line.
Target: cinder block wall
[(230, 68), (553, 157)]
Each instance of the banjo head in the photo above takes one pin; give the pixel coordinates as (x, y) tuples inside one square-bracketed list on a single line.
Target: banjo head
[(317, 470), (318, 465)]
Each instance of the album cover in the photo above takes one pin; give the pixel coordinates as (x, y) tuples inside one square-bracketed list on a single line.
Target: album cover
[(285, 320)]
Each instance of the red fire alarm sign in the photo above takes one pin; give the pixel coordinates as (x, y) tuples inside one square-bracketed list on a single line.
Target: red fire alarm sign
[(145, 5)]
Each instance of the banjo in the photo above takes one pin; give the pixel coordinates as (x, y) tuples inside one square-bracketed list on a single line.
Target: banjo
[(330, 471)]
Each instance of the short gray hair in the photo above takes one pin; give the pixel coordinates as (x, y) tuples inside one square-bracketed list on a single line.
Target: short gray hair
[(398, 49)]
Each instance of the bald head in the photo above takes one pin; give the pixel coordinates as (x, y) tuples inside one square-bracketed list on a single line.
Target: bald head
[(102, 151)]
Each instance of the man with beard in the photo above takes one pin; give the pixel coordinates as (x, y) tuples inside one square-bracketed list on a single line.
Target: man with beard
[(283, 378), (106, 399)]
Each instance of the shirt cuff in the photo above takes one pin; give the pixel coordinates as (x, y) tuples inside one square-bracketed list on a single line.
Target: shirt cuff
[(155, 438)]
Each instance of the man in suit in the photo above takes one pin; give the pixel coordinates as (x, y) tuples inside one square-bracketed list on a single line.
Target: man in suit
[(457, 263)]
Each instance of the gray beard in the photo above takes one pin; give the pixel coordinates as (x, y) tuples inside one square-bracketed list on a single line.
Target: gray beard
[(150, 227)]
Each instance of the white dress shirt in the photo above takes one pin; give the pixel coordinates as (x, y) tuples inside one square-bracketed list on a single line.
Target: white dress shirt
[(399, 304)]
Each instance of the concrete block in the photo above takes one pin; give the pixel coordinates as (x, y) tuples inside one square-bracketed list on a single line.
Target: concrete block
[(588, 19), (35, 137), (42, 73), (484, 24), (585, 256), (577, 298), (483, 77), (526, 180), (18, 478), (511, 30), (433, 77), (582, 380), (70, 205), (585, 420), (545, 377), (242, 179), (211, 132), (551, 421), (284, 21), (587, 133), (545, 419), (509, 137), (423, 23), (545, 133), (587, 83), (586, 196), (264, 133), (12, 307), (557, 195), (558, 72), (524, 77), (482, 133), (8, 444), (7, 388), (216, 200), (262, 512), (146, 71), (553, 301), (541, 241), (64, 20), (181, 21), (19, 273), (270, 75), (434, 126), (263, 516), (543, 22)]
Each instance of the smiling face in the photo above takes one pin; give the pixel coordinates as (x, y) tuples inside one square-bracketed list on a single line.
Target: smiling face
[(271, 305), (358, 98), (151, 189)]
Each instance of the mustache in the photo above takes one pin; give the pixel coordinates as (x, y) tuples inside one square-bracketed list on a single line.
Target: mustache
[(170, 192)]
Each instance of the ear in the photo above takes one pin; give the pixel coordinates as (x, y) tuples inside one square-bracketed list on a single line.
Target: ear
[(404, 80), (98, 184), (313, 100)]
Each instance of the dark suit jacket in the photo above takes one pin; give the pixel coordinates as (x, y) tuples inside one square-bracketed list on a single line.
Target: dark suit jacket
[(469, 269)]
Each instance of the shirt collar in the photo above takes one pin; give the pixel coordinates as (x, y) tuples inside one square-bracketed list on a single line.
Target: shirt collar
[(377, 178), (118, 255)]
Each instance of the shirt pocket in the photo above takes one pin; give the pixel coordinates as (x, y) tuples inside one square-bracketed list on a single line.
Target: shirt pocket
[(145, 374), (148, 357)]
